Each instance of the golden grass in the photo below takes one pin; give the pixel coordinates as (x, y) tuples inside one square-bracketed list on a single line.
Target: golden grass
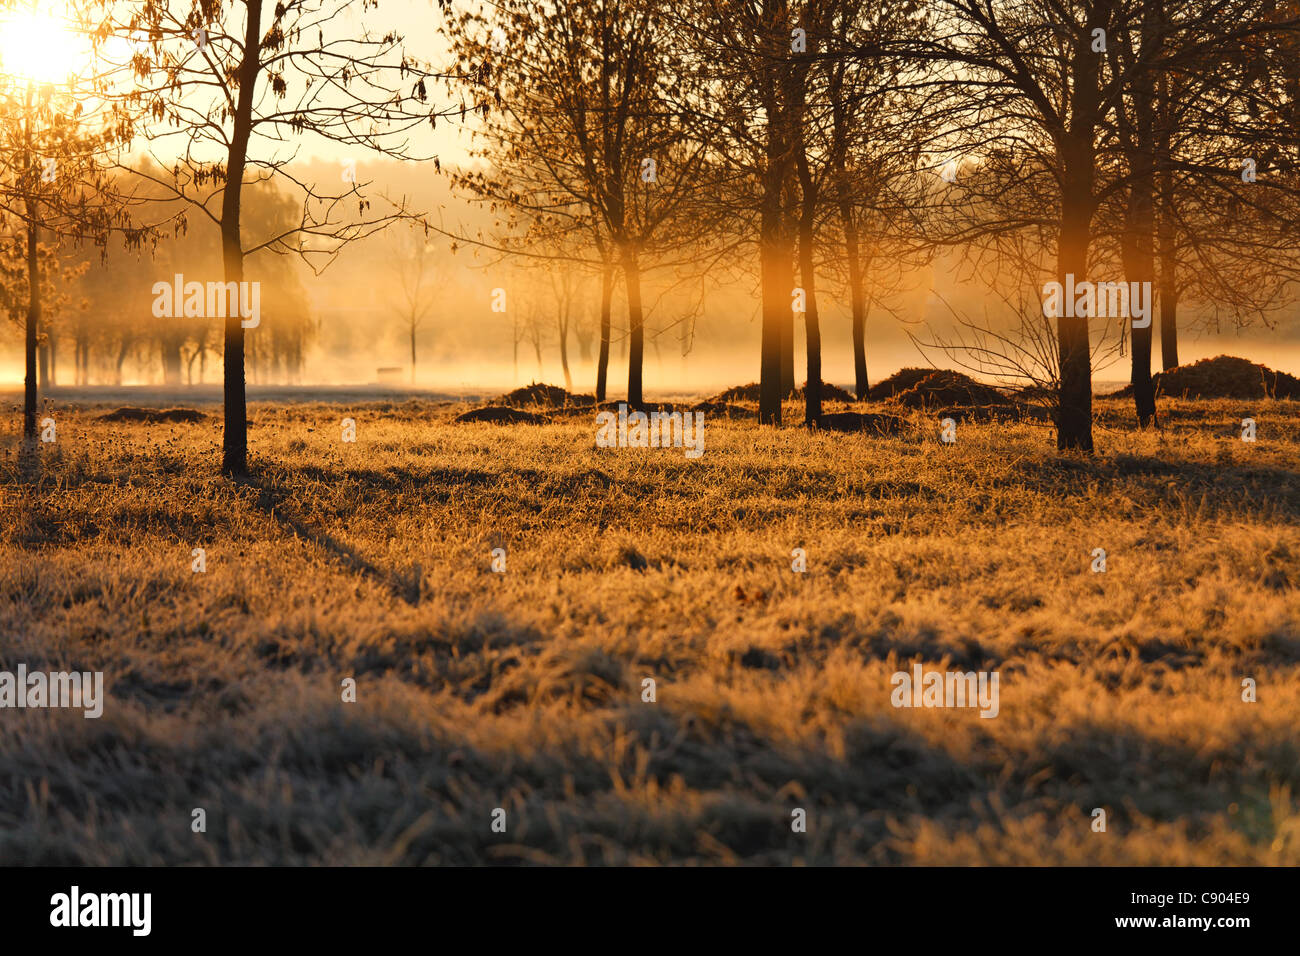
[(523, 690)]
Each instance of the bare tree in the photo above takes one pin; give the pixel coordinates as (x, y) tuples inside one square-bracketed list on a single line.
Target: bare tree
[(566, 291), (218, 89), (414, 261)]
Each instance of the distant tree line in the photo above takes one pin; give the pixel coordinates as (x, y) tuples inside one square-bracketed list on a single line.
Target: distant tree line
[(98, 315)]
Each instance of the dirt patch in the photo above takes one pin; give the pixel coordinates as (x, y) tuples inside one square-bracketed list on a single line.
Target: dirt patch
[(948, 388), (501, 415), (664, 408), (153, 416), (712, 408), (544, 396), (1004, 411), (1224, 376), (647, 407), (724, 410), (572, 411), (862, 422)]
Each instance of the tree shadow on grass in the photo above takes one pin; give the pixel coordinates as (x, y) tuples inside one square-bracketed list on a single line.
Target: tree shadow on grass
[(394, 478), (442, 486), (685, 786), (277, 502), (29, 461), (27, 467), (1222, 488)]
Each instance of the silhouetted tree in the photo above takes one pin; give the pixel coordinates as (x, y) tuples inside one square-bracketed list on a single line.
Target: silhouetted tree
[(215, 87)]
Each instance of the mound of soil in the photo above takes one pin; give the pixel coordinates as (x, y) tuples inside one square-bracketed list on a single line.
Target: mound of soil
[(752, 393), (900, 381), (1036, 394), (862, 422), (131, 413), (1280, 384), (948, 388), (1004, 411), (720, 409), (501, 415), (544, 396), (738, 393), (1224, 376), (578, 411), (724, 410), (571, 411), (830, 393)]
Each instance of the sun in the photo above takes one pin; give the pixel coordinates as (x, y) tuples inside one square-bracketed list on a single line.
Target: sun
[(40, 46)]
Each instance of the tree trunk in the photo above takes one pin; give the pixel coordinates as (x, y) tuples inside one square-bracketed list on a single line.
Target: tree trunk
[(564, 355), (774, 279), (171, 359), (602, 361), (1168, 304), (43, 364), (122, 350), (1074, 427), (235, 440), (808, 276), (1139, 266), (636, 327), (776, 297), (1166, 227), (857, 296), (33, 322), (789, 230), (582, 335), (1138, 246), (412, 354), (1078, 167)]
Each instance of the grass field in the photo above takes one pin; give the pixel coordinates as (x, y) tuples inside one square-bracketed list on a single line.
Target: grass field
[(523, 690)]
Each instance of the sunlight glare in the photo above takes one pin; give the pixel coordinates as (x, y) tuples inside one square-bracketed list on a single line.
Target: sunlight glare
[(37, 46)]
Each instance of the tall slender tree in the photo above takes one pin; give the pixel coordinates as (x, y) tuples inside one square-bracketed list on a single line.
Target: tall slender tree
[(217, 89)]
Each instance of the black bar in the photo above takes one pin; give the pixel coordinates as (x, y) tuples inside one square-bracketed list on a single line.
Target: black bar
[(332, 906)]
